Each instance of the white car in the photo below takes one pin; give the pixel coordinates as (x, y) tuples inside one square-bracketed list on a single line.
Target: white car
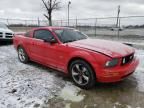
[(5, 32), (117, 28)]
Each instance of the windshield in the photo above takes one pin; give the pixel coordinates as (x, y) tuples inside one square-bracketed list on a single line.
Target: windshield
[(69, 35), (3, 26)]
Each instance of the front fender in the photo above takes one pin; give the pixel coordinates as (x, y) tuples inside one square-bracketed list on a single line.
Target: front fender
[(95, 59), (82, 55)]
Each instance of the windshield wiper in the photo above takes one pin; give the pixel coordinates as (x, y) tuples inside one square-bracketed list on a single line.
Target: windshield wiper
[(74, 40), (70, 41)]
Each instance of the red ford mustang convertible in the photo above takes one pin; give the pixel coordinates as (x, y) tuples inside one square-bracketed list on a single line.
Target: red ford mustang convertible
[(72, 52)]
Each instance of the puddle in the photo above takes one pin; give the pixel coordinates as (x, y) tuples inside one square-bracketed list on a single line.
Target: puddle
[(68, 105), (71, 93)]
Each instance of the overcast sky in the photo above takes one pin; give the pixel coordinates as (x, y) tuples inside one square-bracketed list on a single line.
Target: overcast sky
[(79, 8)]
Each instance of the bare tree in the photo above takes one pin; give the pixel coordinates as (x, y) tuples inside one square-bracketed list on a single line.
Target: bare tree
[(50, 5)]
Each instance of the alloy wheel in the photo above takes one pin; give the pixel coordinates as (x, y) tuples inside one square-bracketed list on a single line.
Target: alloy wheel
[(80, 74), (21, 54)]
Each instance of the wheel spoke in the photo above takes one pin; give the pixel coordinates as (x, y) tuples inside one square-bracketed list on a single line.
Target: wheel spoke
[(20, 53), (78, 67), (80, 80), (23, 57), (23, 54), (74, 73), (85, 77), (84, 70)]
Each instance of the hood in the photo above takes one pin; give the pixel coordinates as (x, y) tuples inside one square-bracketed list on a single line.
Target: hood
[(6, 30), (109, 48)]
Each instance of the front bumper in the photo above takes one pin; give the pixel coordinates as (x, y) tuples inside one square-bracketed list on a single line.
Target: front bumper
[(6, 39), (116, 74)]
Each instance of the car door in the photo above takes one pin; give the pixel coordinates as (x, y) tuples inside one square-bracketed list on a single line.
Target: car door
[(51, 54), (61, 56), (41, 51)]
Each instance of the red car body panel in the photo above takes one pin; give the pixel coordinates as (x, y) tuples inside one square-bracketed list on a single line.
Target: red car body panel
[(96, 52), (109, 48)]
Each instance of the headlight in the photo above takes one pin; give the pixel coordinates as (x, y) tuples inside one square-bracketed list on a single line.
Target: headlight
[(111, 63)]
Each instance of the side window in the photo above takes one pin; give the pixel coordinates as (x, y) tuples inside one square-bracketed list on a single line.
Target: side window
[(42, 34)]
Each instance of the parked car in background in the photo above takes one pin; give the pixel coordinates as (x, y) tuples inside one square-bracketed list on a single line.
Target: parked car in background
[(117, 28), (72, 52), (5, 33)]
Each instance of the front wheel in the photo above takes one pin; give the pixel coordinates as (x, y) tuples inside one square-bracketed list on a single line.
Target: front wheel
[(22, 55), (82, 74)]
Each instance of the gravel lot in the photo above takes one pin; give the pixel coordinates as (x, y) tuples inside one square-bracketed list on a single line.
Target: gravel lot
[(36, 86)]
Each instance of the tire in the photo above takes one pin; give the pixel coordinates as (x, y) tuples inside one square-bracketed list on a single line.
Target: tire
[(22, 55), (82, 74)]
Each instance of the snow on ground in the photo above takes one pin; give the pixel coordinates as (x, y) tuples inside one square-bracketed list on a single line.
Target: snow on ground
[(139, 75), (33, 85), (26, 85)]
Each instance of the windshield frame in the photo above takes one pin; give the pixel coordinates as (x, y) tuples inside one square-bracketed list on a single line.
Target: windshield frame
[(64, 29)]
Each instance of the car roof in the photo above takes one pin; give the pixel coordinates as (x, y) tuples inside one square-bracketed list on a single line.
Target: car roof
[(52, 28)]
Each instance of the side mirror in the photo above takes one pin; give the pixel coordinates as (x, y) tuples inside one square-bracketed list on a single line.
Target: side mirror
[(50, 40)]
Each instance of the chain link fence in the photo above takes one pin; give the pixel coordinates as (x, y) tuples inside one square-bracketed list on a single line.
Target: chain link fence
[(130, 28)]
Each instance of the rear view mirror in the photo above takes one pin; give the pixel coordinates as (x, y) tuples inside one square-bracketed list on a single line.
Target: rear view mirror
[(50, 40)]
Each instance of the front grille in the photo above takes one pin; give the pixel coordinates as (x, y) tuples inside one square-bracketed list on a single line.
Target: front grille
[(1, 34), (127, 59), (8, 34)]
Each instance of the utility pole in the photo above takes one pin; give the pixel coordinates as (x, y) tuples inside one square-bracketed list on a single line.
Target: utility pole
[(38, 22), (76, 23), (117, 23), (95, 26), (68, 11), (8, 22)]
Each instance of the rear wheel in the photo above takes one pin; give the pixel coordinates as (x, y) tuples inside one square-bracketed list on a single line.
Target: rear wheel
[(22, 55), (82, 74)]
